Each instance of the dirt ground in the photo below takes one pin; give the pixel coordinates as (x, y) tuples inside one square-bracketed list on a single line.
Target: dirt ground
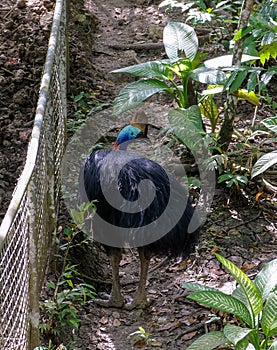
[(104, 36)]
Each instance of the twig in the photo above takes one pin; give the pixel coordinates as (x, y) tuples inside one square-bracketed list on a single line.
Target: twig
[(190, 329), (267, 220), (6, 70), (255, 116), (246, 222), (11, 10), (156, 267)]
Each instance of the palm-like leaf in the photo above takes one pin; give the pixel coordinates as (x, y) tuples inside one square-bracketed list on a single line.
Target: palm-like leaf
[(209, 341), (208, 75), (135, 93), (223, 302), (269, 317), (250, 290), (226, 61), (154, 69), (180, 39), (273, 345), (235, 334), (271, 123), (266, 279), (263, 163), (187, 126)]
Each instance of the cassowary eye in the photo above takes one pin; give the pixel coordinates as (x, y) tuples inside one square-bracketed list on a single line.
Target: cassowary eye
[(132, 134)]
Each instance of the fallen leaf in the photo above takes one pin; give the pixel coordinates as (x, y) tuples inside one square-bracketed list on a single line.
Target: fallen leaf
[(258, 195), (181, 266), (104, 320), (155, 344), (116, 322), (215, 249), (189, 336), (247, 266)]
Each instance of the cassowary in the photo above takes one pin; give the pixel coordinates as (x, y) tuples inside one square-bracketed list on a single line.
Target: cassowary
[(125, 173)]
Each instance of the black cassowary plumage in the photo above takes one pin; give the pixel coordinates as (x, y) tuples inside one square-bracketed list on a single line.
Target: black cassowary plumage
[(133, 170)]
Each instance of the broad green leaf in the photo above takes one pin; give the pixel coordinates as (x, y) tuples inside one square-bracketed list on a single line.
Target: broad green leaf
[(174, 3), (266, 279), (209, 109), (208, 341), (263, 163), (271, 123), (154, 69), (273, 345), (248, 96), (242, 345), (238, 35), (180, 39), (135, 93), (266, 77), (181, 67), (224, 177), (196, 287), (236, 84), (223, 302), (212, 91), (268, 38), (234, 333), (250, 290), (252, 81), (264, 56), (242, 32), (208, 75), (187, 126), (226, 61), (230, 80), (269, 316)]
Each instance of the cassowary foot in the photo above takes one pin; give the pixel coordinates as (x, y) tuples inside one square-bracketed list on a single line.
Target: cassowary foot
[(138, 304), (109, 301)]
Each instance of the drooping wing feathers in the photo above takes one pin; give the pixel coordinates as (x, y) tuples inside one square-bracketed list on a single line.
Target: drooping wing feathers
[(177, 241)]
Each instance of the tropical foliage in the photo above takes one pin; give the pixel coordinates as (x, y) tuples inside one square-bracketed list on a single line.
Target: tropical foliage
[(253, 303)]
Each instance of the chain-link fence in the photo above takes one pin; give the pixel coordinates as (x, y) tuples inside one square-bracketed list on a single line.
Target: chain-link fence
[(28, 226)]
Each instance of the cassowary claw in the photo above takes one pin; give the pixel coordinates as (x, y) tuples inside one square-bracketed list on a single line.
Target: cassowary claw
[(138, 304)]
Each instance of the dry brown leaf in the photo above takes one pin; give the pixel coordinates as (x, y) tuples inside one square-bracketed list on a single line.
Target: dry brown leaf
[(189, 336), (116, 322), (104, 320), (247, 266)]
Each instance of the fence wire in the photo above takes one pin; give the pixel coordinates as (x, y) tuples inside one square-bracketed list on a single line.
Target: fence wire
[(28, 226)]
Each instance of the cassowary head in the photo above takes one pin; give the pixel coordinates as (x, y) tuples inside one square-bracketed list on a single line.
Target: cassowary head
[(126, 135)]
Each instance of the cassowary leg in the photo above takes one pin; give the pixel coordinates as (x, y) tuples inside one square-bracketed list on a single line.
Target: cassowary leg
[(140, 300), (116, 299)]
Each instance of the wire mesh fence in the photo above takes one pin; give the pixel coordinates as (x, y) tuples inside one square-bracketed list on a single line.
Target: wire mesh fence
[(28, 226)]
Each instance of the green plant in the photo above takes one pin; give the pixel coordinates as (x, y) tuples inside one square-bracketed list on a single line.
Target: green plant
[(205, 12), (140, 336), (209, 109), (50, 346), (173, 75), (60, 311), (233, 180), (84, 104), (268, 159), (253, 303), (261, 33)]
